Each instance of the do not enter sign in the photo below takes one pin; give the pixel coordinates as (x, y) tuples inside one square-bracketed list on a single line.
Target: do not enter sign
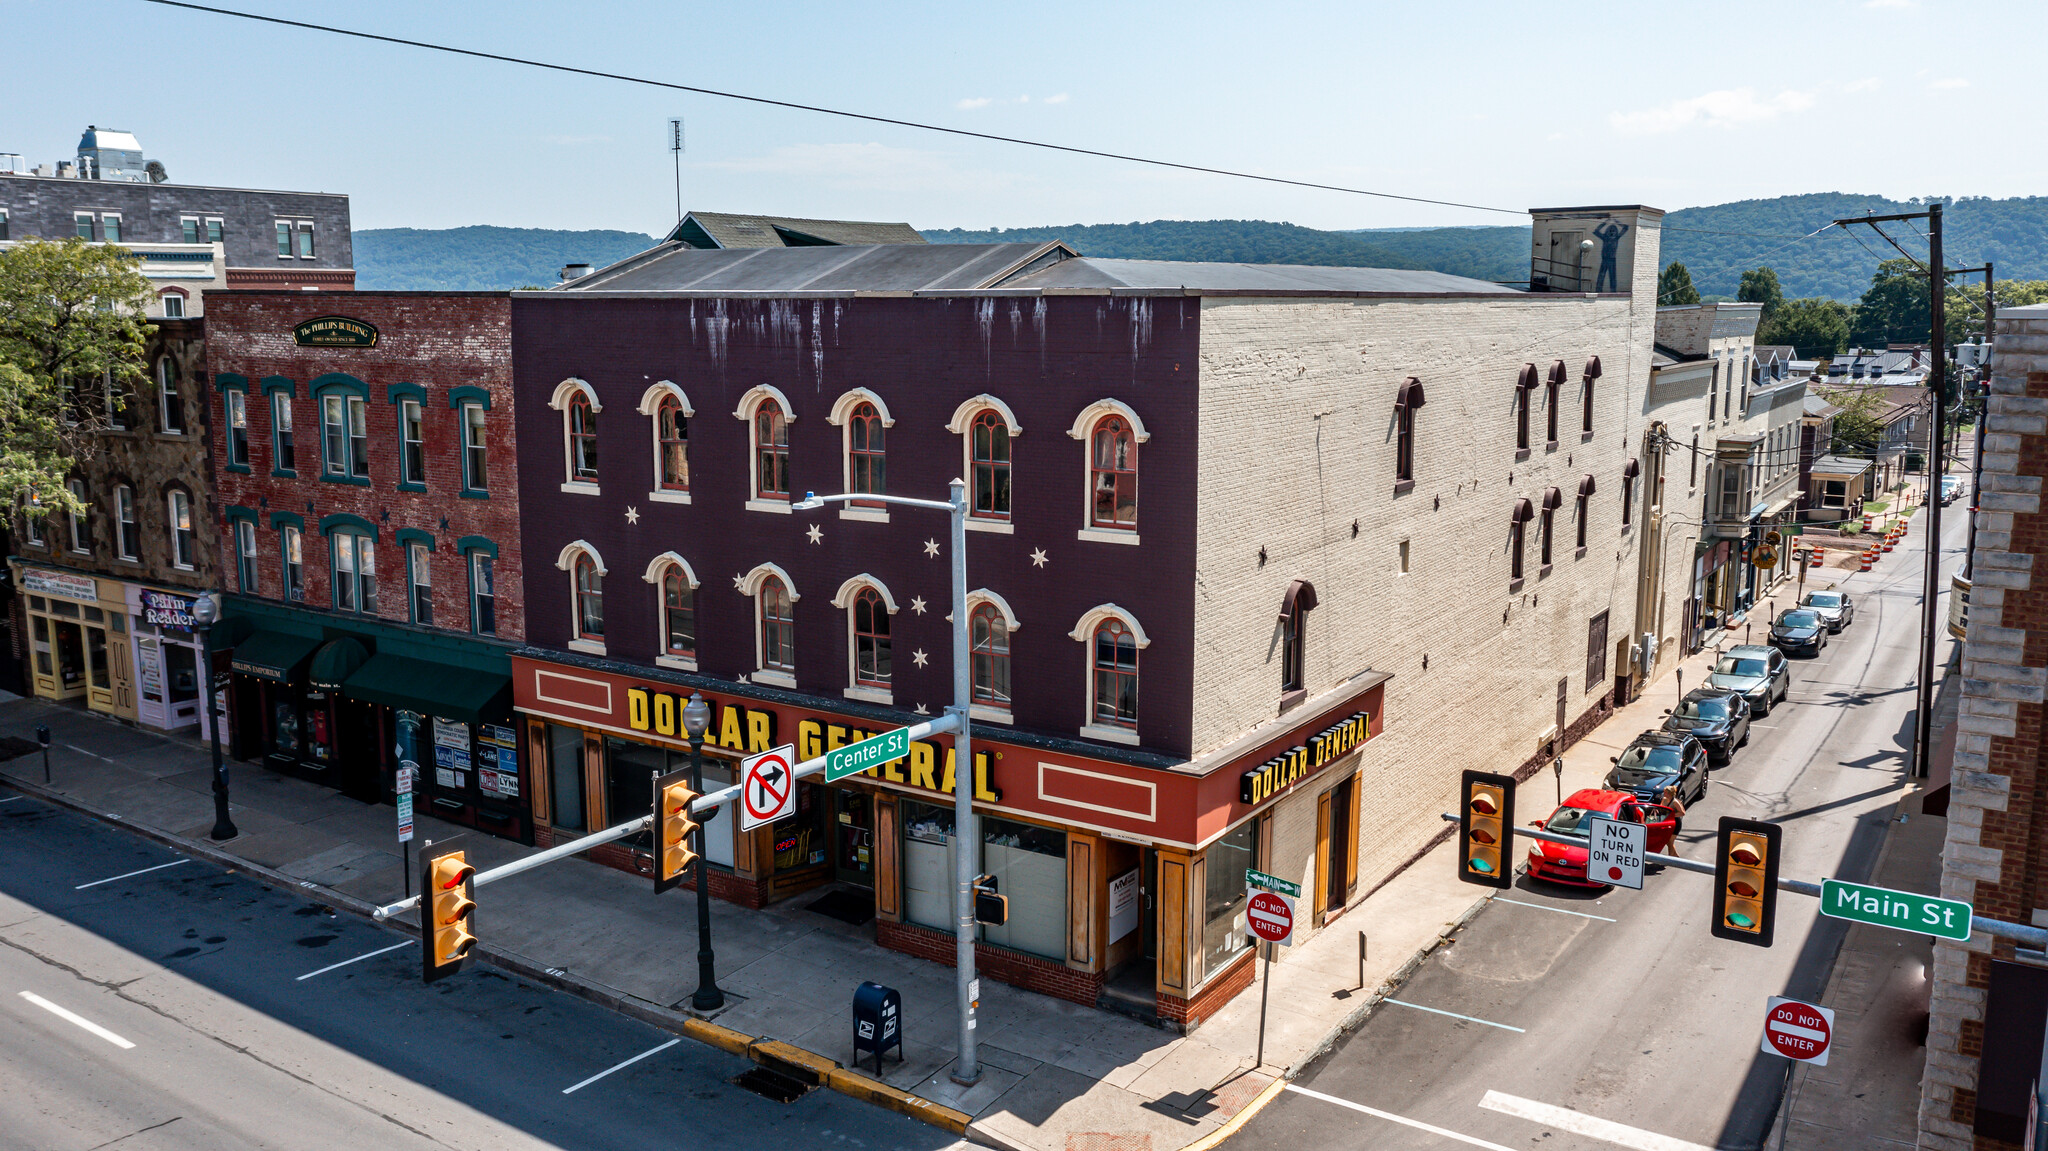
[(1271, 917), (1798, 1030)]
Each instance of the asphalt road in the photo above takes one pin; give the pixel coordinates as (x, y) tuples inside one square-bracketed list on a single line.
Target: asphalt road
[(1596, 1020), (183, 1007)]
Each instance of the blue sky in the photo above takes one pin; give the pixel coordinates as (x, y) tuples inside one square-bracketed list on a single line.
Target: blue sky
[(1505, 104)]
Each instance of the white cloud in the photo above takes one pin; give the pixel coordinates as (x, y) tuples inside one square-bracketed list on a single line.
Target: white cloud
[(1867, 84), (1950, 82), (1059, 99), (972, 103), (1723, 109), (865, 166)]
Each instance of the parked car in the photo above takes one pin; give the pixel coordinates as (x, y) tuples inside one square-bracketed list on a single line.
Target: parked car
[(1798, 630), (1718, 718), (1758, 673), (1835, 608), (1951, 487), (1656, 760), (1564, 863)]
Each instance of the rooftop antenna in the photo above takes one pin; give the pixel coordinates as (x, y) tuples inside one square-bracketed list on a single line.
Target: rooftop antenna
[(675, 147)]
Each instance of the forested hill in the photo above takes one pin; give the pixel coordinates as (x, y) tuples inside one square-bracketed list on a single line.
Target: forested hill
[(1717, 244)]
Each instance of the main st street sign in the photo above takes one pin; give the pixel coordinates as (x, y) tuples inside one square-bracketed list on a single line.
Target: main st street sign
[(1900, 910)]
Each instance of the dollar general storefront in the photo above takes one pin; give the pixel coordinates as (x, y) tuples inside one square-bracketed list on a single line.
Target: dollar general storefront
[(1124, 870)]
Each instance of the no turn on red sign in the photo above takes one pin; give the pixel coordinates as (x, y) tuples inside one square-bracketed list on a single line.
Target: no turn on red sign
[(1797, 1030), (767, 787), (1270, 916)]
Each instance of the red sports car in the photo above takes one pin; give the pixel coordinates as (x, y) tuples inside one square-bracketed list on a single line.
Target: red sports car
[(1560, 863)]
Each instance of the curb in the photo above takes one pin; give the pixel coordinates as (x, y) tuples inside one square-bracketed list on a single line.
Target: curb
[(1244, 1115), (805, 1066)]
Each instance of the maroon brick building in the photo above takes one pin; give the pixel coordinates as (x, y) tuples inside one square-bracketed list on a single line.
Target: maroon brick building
[(368, 513)]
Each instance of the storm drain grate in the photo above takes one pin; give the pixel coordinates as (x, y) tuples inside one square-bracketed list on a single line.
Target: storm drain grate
[(773, 1085)]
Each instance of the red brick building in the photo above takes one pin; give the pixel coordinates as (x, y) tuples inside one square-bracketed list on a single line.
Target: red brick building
[(369, 532)]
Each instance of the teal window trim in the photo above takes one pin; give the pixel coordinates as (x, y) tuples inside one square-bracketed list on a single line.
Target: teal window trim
[(283, 519), (229, 381), (275, 384), (343, 520), (404, 537), (356, 481), (338, 381), (468, 544), (472, 494), (396, 392), (283, 474), (238, 512), (458, 399), (468, 394)]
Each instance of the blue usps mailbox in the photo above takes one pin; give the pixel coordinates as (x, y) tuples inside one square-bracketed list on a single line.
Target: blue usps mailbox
[(877, 1022)]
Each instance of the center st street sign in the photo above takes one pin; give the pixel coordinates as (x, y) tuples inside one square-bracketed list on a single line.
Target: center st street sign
[(873, 751), (1899, 910)]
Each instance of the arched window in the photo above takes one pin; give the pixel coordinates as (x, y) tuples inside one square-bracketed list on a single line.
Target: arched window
[(989, 650), (582, 423), (871, 659), (1553, 391), (1116, 674), (672, 437), (1406, 401), (1524, 384), (1113, 468), (771, 451), (1294, 608), (866, 463), (778, 627), (1552, 500), (990, 449), (1523, 513), (678, 613), (1586, 488), (589, 586)]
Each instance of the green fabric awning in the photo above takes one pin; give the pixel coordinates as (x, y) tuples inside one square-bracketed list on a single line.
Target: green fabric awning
[(334, 663), (272, 655), (456, 693)]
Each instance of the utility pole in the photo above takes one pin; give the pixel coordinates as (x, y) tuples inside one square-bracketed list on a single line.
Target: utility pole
[(675, 147), (1981, 387), (1937, 379)]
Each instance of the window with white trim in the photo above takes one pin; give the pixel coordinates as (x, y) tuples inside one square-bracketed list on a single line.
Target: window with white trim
[(771, 450), (678, 614), (1114, 661), (475, 450), (988, 647), (245, 555), (1113, 475), (282, 457), (412, 443), (184, 541), (290, 550), (872, 663), (81, 538), (777, 614), (989, 452), (672, 445), (483, 593), (355, 572), (173, 304), (419, 578), (237, 403), (587, 585), (110, 227), (866, 453), (170, 404), (127, 540), (188, 229), (580, 424)]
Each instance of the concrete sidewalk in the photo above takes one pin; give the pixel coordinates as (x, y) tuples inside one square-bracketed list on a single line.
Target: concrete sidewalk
[(1057, 1076)]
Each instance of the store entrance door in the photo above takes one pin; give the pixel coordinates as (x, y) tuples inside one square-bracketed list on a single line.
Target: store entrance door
[(1132, 983), (854, 854), (68, 640), (181, 680)]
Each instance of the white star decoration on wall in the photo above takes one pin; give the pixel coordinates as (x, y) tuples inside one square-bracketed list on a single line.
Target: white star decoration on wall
[(739, 583), (931, 548), (921, 710), (632, 515), (816, 533), (919, 658), (1038, 557), (917, 604)]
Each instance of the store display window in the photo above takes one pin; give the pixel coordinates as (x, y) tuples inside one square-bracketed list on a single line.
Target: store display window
[(1224, 932), (1029, 864)]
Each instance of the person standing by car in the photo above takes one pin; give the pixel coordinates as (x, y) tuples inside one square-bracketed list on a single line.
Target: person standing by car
[(1668, 798)]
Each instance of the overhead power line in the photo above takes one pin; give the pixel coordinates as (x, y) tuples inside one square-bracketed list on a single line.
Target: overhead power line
[(825, 111)]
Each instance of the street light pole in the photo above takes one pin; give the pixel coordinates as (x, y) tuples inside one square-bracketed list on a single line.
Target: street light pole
[(206, 613), (697, 720), (966, 833)]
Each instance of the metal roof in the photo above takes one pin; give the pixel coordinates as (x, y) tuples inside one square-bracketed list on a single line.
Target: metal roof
[(1199, 277), (739, 230), (1839, 466), (863, 268)]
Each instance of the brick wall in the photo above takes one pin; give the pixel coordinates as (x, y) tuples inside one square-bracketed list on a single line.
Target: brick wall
[(1998, 807), (1187, 1014), (436, 341), (1032, 973)]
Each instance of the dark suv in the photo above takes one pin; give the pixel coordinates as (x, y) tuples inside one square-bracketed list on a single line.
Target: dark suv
[(1718, 718), (1656, 760)]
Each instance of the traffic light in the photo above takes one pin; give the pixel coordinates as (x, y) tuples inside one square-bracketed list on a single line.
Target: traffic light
[(990, 908), (1486, 820), (672, 825), (1746, 880), (446, 904)]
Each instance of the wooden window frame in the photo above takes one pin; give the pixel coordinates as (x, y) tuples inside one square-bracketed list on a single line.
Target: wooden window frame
[(989, 654), (985, 469), (866, 454), (771, 455), (586, 584), (1118, 633), (670, 608), (579, 424), (1116, 472), (668, 419), (778, 632), (871, 646)]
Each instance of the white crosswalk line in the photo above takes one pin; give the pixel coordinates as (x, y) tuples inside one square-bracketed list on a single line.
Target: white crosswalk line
[(1580, 1123), (619, 1066), (357, 959), (1401, 1119), (80, 1020), (127, 874)]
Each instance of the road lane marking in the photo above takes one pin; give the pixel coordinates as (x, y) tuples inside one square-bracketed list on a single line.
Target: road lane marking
[(125, 875), (1454, 1015), (1544, 907), (617, 1066), (74, 1017), (357, 959), (1401, 1119), (1580, 1123), (11, 798)]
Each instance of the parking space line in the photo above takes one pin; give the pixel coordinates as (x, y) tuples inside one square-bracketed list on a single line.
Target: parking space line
[(1580, 1123), (627, 1063), (80, 1020), (1454, 1015), (1546, 907), (12, 798), (1393, 1118), (357, 959), (127, 874)]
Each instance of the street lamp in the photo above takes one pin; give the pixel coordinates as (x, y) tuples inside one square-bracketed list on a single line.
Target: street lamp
[(966, 860), (206, 613), (696, 721)]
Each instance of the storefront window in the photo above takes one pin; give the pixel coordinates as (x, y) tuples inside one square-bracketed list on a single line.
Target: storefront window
[(1223, 921), (717, 824), (565, 777), (928, 865), (629, 771), (1029, 864)]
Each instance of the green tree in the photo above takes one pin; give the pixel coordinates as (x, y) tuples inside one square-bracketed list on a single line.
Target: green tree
[(1760, 286), (71, 344), (1859, 425), (1674, 286), (1814, 328), (1895, 308)]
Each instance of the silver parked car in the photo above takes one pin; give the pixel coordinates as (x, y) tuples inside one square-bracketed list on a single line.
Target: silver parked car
[(1759, 672), (1835, 608)]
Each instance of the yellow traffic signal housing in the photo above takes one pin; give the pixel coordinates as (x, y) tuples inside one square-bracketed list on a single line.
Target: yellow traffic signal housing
[(1746, 881), (1486, 820), (675, 850), (447, 891)]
